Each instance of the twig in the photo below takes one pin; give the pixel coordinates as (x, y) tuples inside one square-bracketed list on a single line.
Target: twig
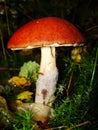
[(69, 84), (7, 20), (55, 128), (75, 126), (91, 28), (3, 48), (78, 125), (9, 69)]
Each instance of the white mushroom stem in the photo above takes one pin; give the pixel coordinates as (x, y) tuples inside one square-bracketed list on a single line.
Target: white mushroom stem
[(48, 76)]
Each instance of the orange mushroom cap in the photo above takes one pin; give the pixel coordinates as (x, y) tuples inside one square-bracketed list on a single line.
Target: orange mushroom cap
[(48, 31)]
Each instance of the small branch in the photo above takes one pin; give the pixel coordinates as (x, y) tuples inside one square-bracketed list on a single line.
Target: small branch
[(78, 125), (55, 128), (3, 48), (7, 19), (8, 69), (75, 126), (91, 28), (69, 85)]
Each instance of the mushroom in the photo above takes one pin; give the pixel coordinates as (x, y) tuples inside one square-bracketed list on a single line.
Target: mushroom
[(76, 53), (46, 33)]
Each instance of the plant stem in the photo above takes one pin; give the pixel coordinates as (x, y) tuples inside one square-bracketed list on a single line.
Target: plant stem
[(93, 73)]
